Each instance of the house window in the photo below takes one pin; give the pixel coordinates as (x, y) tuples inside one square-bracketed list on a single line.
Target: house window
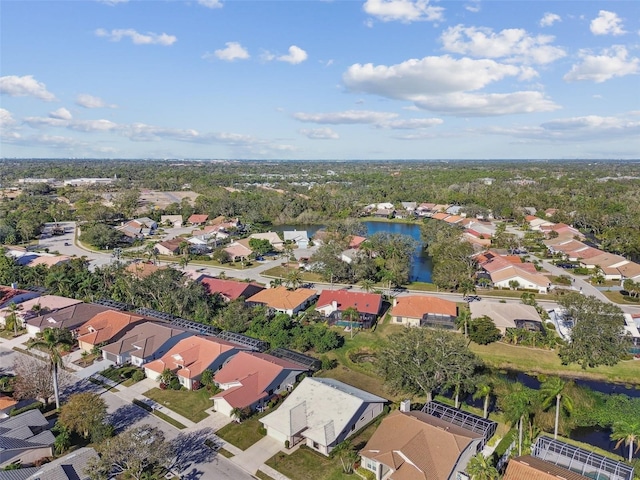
[(353, 427), (315, 445), (398, 319), (371, 465)]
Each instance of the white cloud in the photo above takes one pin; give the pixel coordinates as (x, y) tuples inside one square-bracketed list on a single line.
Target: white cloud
[(599, 68), (411, 123), (513, 44), (295, 56), (403, 10), (61, 113), (442, 84), (488, 104), (25, 86), (348, 117), (320, 134), (233, 51), (149, 38), (549, 19), (473, 7), (89, 101), (607, 23), (210, 3), (6, 119), (585, 128)]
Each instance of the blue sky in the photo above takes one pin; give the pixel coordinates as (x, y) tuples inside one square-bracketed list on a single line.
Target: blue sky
[(374, 79)]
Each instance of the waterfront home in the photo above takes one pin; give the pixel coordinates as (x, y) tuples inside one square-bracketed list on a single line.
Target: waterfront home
[(230, 290), (333, 303), (281, 299), (424, 311)]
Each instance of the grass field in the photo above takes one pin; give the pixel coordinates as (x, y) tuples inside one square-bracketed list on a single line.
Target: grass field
[(533, 360), (191, 405), (617, 297), (242, 435)]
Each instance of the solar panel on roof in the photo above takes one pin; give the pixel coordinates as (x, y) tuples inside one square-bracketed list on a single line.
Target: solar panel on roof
[(466, 420)]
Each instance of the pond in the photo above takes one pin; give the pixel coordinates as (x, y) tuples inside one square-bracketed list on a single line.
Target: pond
[(421, 265)]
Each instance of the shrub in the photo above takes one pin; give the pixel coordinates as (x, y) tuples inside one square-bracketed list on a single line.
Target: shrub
[(101, 432), (137, 376), (286, 444), (33, 406), (174, 384), (143, 405)]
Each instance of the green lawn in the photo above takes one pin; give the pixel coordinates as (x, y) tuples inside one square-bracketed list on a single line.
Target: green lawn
[(242, 435), (310, 465), (282, 272), (534, 360), (617, 297), (189, 404)]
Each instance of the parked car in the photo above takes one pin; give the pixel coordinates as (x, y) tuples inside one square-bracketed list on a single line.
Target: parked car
[(67, 244)]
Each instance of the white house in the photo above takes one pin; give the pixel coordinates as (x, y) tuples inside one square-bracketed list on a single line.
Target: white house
[(299, 237), (322, 412)]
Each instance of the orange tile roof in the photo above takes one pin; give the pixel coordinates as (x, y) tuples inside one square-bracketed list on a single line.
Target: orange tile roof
[(363, 302), (191, 356), (415, 306), (48, 261), (356, 241), (256, 372), (105, 326), (281, 298), (230, 289), (7, 402), (533, 468), (440, 216), (453, 219), (418, 446), (198, 218), (142, 270), (513, 271)]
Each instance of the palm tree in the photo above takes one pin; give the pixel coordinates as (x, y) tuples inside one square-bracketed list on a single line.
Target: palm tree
[(294, 279), (484, 390), (554, 389), (517, 406), (627, 431), (367, 285), (347, 454), (480, 468), (351, 314), (276, 282), (54, 341), (12, 318)]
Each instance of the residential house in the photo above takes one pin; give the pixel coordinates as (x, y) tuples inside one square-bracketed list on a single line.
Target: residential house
[(37, 306), (513, 275), (174, 221), (230, 290), (440, 208), (170, 247), (560, 229), (197, 220), (424, 311), (249, 380), (322, 412), (190, 357), (25, 438), (273, 238), (454, 219), (629, 271), (385, 213), (410, 207), (138, 228), (425, 209), (239, 250), (440, 216), (281, 299), (143, 343), (536, 223), (71, 467), (106, 327), (607, 262), (12, 294), (333, 303), (477, 238), (552, 459), (69, 318), (412, 445), (48, 260), (355, 241), (142, 270), (550, 212), (299, 237), (508, 315)]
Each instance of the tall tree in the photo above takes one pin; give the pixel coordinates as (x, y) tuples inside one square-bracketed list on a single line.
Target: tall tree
[(627, 432), (32, 380), (554, 391), (54, 341), (517, 406), (422, 361), (133, 452), (597, 337), (483, 390), (83, 412)]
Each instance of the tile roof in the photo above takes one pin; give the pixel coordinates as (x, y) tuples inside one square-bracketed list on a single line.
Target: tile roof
[(236, 249), (45, 303), (630, 270), (418, 446), (7, 402), (173, 244), (532, 468), (70, 467), (415, 306), (142, 269), (191, 356), (363, 302), (68, 318), (143, 339), (255, 372), (504, 314), (280, 298), (48, 261), (195, 218), (7, 294), (355, 241), (18, 432), (104, 326), (513, 271), (230, 289), (440, 216)]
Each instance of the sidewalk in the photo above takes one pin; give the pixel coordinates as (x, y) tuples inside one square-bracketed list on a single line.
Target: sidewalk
[(253, 457)]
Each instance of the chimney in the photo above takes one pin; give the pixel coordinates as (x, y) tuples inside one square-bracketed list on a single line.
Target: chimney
[(395, 301), (405, 406), (334, 305), (14, 285)]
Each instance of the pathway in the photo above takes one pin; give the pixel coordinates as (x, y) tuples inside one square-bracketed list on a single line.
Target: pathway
[(253, 457)]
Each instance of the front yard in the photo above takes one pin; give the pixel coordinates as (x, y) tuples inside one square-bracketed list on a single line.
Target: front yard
[(189, 404), (245, 434)]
